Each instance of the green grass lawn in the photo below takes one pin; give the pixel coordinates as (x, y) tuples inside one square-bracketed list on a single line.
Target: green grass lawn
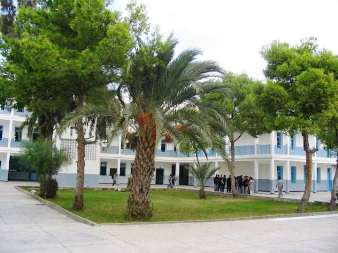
[(107, 206)]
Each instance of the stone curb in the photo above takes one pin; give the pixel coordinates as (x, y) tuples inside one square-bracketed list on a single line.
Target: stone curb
[(57, 207), (276, 216), (92, 223)]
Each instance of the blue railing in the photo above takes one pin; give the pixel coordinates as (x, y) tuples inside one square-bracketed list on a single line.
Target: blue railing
[(264, 149), (23, 113), (16, 144), (245, 150), (126, 151), (4, 142), (169, 153), (110, 150), (283, 150), (297, 151), (5, 111)]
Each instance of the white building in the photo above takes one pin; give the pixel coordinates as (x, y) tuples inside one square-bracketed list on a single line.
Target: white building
[(267, 158)]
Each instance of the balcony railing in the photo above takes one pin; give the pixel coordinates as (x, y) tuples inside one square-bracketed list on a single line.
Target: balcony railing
[(297, 151), (4, 142), (5, 111), (282, 150), (264, 149), (245, 150), (110, 150), (16, 144)]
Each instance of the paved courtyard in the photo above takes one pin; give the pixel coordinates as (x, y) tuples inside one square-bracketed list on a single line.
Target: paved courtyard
[(28, 226)]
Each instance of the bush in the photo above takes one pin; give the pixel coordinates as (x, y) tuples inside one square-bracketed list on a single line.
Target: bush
[(46, 159)]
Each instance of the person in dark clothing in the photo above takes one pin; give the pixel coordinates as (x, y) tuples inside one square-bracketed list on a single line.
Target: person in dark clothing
[(246, 185), (216, 183), (240, 183), (224, 182), (229, 184)]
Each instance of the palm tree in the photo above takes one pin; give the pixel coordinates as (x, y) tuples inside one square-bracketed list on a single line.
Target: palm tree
[(202, 172), (159, 95)]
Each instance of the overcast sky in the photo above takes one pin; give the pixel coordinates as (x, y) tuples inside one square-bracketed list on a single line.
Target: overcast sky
[(233, 32)]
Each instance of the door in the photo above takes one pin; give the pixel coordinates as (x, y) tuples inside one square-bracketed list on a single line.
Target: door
[(329, 179), (184, 175), (159, 176), (279, 172)]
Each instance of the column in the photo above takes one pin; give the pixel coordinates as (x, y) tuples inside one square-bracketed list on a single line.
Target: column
[(177, 172), (256, 144), (256, 175), (118, 170), (216, 164), (119, 140), (287, 176), (272, 142), (10, 132), (314, 178), (288, 144), (272, 175), (4, 177)]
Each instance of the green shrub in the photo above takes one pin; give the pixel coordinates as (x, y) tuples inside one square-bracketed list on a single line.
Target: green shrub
[(46, 159)]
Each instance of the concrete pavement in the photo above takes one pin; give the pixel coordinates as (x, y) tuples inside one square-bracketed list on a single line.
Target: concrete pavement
[(28, 226)]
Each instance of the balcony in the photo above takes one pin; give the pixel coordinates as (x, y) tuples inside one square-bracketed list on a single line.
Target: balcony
[(264, 149), (5, 111), (4, 142), (297, 151), (245, 150), (167, 153), (110, 150), (126, 151), (16, 144), (282, 150)]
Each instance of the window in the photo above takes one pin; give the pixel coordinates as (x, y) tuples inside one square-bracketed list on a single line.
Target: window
[(279, 140), (175, 148), (18, 134), (305, 173), (292, 141), (162, 146), (122, 169), (20, 109), (103, 169), (1, 131), (279, 172), (293, 174), (319, 177)]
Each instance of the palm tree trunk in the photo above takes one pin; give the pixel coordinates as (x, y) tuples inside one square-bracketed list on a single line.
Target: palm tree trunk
[(139, 204), (308, 169), (334, 188), (78, 199), (202, 194), (232, 169)]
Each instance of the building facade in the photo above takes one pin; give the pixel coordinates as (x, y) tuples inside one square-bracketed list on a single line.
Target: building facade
[(269, 157)]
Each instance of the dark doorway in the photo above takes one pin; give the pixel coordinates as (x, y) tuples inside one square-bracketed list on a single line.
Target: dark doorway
[(159, 176), (184, 175)]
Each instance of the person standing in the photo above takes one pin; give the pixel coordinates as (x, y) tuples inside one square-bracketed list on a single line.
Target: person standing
[(251, 185), (224, 182), (279, 187), (216, 183), (229, 184)]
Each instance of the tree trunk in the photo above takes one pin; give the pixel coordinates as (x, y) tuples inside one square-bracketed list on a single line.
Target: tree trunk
[(334, 189), (139, 204), (81, 145), (202, 194), (232, 169), (308, 184)]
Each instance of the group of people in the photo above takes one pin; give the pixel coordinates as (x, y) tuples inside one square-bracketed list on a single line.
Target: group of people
[(172, 181), (243, 184)]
